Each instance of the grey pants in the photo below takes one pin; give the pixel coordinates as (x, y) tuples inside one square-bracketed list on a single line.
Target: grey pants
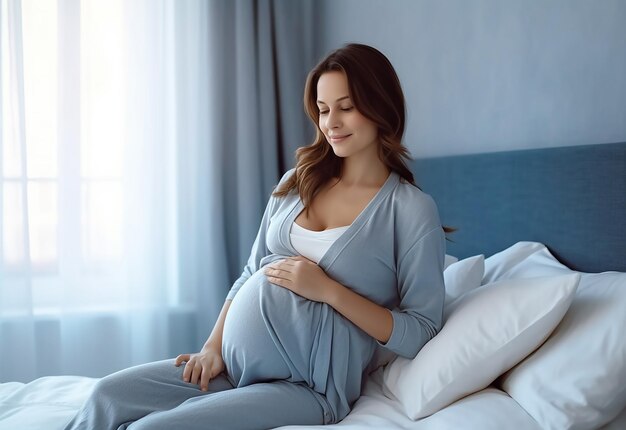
[(154, 396)]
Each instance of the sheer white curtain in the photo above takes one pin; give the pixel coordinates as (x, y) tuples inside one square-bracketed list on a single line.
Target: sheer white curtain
[(96, 184), (140, 142)]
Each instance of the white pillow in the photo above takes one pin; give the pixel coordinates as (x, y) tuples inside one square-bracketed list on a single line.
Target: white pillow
[(463, 276), (448, 260), (577, 379), (489, 330), (505, 260)]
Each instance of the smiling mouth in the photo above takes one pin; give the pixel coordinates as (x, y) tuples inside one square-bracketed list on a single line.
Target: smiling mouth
[(336, 139)]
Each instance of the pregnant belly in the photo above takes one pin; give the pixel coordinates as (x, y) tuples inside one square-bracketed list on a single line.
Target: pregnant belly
[(269, 333)]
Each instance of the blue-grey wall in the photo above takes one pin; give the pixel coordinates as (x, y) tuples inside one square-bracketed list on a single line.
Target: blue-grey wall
[(492, 75)]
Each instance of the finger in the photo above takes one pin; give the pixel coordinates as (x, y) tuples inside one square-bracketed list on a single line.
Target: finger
[(276, 263), (288, 263), (181, 358), (295, 261), (278, 273), (284, 273), (204, 379), (196, 373), (285, 283), (276, 281), (285, 276), (188, 369)]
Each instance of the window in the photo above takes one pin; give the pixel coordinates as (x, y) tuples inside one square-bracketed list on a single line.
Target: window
[(36, 86), (62, 147)]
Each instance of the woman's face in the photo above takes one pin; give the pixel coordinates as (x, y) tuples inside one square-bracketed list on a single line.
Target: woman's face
[(346, 129)]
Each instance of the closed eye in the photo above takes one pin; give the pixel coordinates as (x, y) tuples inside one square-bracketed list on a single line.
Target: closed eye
[(348, 109)]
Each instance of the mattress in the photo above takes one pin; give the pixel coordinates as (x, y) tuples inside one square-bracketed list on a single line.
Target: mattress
[(50, 402)]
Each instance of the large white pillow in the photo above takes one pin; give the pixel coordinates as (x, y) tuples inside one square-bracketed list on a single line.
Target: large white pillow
[(504, 261), (463, 276), (488, 331), (448, 260), (577, 379)]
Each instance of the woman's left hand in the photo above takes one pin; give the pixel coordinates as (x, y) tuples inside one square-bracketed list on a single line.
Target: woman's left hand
[(302, 276)]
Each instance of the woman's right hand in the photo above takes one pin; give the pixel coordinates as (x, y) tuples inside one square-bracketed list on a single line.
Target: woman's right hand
[(200, 368)]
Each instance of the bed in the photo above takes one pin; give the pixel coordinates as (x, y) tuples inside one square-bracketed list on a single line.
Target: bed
[(535, 305)]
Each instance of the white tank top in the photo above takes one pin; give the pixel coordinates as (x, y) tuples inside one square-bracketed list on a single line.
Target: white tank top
[(314, 244)]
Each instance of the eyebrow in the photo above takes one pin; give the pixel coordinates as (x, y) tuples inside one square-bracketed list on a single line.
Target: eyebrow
[(338, 100)]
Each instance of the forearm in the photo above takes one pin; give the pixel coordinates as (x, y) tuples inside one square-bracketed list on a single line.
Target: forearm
[(215, 339), (370, 317)]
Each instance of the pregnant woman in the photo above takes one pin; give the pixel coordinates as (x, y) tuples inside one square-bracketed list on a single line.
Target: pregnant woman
[(345, 273)]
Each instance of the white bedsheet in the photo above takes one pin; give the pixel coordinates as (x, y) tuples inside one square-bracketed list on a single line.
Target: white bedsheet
[(49, 403), (45, 403)]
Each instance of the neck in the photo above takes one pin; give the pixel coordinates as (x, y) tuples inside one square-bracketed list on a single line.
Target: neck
[(364, 174)]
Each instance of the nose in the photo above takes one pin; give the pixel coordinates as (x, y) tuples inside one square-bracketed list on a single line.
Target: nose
[(333, 119)]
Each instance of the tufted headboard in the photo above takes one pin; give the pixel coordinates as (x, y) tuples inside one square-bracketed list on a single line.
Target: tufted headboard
[(572, 199)]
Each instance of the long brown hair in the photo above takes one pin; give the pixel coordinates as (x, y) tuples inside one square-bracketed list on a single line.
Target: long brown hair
[(375, 91)]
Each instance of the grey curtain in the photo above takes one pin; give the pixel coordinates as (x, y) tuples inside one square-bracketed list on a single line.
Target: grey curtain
[(248, 86)]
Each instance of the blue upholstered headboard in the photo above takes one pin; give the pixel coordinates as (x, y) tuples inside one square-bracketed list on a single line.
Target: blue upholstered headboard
[(572, 199)]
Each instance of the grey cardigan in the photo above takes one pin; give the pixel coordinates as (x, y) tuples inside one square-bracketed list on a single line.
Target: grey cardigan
[(392, 254)]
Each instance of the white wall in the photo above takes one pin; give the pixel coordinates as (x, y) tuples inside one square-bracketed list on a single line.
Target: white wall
[(494, 75)]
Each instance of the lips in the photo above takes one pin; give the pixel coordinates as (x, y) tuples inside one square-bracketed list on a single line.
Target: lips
[(339, 138)]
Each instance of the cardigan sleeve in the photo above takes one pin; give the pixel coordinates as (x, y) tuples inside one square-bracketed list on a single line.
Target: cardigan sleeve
[(418, 317), (259, 247)]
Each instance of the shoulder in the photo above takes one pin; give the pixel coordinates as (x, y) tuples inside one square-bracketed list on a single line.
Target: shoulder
[(414, 210), (276, 201), (409, 200), (287, 175), (284, 178)]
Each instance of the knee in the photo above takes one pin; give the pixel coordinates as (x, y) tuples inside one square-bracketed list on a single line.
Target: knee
[(107, 388)]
